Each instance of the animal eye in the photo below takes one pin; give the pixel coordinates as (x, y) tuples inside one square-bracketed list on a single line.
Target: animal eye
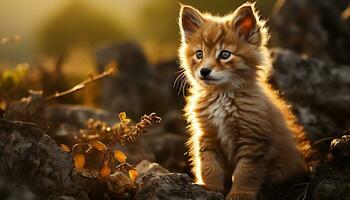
[(224, 55), (199, 54)]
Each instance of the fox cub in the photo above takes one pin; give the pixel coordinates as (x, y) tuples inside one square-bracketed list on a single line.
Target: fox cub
[(243, 137)]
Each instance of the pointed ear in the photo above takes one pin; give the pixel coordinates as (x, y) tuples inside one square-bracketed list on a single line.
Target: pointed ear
[(190, 20), (245, 22)]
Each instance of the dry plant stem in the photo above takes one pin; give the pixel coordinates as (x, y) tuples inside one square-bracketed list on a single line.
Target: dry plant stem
[(96, 182), (102, 163), (82, 84), (323, 140)]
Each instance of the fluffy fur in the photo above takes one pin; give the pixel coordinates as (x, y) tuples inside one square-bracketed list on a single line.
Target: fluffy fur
[(243, 136)]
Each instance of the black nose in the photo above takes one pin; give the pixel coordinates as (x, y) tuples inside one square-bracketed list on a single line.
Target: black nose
[(205, 72)]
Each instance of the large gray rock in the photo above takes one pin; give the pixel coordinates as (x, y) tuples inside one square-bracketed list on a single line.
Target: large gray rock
[(318, 28), (318, 91), (172, 186), (10, 192), (137, 87), (32, 159), (331, 179), (130, 89)]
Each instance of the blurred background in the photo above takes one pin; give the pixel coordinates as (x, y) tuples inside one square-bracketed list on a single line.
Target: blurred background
[(53, 45), (62, 26)]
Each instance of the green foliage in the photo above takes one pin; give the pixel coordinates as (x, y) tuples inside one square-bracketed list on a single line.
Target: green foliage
[(12, 82), (78, 24)]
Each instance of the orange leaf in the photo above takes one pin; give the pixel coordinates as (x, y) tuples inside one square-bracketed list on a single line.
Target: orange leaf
[(105, 171), (79, 160), (127, 121), (133, 174), (120, 156), (123, 119), (99, 145), (122, 116), (65, 148)]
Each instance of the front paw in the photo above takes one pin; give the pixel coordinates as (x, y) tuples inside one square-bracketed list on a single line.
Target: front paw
[(241, 195)]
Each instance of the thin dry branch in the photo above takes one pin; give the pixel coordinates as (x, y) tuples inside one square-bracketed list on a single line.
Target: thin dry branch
[(82, 84), (323, 140)]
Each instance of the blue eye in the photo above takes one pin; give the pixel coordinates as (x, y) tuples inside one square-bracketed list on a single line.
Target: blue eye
[(199, 54), (224, 54)]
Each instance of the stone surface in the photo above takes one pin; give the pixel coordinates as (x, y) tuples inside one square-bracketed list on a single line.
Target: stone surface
[(330, 179), (10, 192), (318, 91), (146, 167), (31, 158), (317, 28), (172, 186), (138, 87), (340, 150)]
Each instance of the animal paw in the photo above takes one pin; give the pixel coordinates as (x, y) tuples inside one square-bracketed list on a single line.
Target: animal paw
[(241, 195)]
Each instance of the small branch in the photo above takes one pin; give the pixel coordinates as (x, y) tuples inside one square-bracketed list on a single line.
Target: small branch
[(323, 140), (82, 84)]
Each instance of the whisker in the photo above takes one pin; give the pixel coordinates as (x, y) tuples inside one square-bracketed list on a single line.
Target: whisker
[(177, 81), (181, 82)]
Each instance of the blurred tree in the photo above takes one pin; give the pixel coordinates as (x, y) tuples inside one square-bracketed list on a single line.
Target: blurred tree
[(76, 25)]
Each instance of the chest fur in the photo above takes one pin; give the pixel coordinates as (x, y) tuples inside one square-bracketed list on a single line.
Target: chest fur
[(241, 112), (222, 111), (235, 117)]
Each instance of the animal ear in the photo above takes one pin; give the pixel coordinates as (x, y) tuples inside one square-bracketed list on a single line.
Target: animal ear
[(190, 20), (245, 23)]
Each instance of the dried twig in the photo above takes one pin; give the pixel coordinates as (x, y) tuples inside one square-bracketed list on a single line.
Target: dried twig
[(323, 140), (82, 84)]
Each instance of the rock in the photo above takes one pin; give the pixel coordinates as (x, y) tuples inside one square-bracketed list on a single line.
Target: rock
[(137, 88), (10, 192), (31, 158), (130, 90), (146, 167), (340, 149), (64, 121), (318, 91), (172, 186), (120, 186), (330, 179), (29, 109), (317, 28), (169, 149), (174, 122), (60, 121)]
